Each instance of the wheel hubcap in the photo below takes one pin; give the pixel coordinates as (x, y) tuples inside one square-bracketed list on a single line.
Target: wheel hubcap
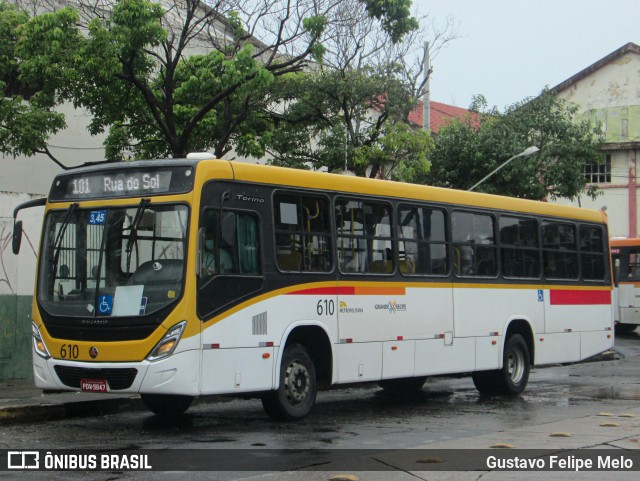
[(296, 382), (515, 365)]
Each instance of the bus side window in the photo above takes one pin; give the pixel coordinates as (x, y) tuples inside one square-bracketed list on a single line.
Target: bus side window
[(302, 232), (519, 247), (235, 252), (365, 238), (560, 250), (592, 257), (422, 241), (633, 272), (474, 244)]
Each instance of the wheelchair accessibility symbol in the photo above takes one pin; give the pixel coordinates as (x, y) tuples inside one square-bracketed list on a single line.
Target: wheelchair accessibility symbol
[(105, 305)]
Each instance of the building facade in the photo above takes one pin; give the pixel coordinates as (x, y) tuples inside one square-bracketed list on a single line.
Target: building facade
[(608, 92)]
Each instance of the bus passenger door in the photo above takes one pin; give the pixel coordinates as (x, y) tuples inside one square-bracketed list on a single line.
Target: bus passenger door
[(437, 351)]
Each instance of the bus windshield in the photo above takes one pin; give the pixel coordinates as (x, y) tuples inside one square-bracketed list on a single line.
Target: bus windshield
[(112, 261)]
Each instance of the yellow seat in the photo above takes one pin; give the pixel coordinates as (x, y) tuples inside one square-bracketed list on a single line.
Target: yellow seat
[(290, 261), (407, 266), (381, 267)]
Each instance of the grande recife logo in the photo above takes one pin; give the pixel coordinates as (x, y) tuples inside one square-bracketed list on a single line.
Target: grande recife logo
[(392, 306)]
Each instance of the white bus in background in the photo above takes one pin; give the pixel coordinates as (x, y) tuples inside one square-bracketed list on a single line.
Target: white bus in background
[(625, 255)]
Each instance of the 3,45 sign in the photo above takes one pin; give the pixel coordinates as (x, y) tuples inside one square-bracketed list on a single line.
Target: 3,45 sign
[(97, 217)]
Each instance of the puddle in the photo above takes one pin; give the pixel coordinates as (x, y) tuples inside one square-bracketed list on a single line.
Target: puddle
[(627, 393)]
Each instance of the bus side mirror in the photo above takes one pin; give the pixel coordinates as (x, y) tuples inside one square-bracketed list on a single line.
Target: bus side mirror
[(17, 237), (228, 230)]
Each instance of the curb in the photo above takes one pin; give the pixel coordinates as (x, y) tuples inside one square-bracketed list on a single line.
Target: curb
[(62, 410)]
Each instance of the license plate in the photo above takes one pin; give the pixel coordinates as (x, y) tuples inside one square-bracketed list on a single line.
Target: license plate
[(93, 385)]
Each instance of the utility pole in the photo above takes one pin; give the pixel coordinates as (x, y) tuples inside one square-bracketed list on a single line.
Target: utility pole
[(426, 98)]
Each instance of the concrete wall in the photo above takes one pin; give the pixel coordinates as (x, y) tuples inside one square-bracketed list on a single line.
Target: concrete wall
[(16, 286), (614, 85)]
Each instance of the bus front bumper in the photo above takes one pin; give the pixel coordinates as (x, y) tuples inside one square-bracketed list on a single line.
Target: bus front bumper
[(177, 374)]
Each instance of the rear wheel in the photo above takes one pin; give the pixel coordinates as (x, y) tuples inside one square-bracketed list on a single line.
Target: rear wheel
[(514, 375), (166, 405), (296, 394), (409, 385), (625, 328)]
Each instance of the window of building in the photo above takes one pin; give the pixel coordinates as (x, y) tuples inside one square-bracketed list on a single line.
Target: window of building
[(624, 129), (598, 173)]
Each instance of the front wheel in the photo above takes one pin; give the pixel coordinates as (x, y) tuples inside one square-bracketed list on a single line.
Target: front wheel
[(514, 375), (166, 405), (296, 394)]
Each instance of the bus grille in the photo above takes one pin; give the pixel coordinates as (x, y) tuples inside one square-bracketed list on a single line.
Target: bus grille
[(116, 378)]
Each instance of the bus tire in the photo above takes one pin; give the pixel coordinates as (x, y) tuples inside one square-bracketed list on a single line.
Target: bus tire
[(296, 394), (408, 385), (166, 405), (514, 375)]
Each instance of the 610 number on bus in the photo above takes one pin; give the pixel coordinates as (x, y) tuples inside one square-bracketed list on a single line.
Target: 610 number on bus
[(326, 307)]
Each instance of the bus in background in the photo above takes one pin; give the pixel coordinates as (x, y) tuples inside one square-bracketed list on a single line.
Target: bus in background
[(181, 278), (625, 255)]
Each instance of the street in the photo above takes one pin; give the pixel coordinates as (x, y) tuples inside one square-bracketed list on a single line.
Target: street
[(447, 413)]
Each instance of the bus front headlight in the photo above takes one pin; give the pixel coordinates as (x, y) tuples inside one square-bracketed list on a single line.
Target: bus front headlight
[(168, 343), (38, 343)]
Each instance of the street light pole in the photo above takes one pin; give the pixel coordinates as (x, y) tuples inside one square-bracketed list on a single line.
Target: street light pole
[(525, 153)]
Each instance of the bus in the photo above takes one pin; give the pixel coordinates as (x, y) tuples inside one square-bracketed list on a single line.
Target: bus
[(183, 278), (625, 255)]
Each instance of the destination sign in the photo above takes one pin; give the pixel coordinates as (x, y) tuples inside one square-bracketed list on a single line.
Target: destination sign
[(106, 185), (127, 183)]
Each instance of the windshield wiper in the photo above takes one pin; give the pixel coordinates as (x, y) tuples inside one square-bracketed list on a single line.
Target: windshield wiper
[(133, 235), (57, 245)]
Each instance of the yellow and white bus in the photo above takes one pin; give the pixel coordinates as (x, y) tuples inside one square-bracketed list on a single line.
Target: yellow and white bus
[(625, 254), (181, 278)]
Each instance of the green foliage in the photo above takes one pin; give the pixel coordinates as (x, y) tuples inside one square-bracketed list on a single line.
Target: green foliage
[(146, 88), (394, 15), (237, 29), (355, 118), (315, 25), (463, 155), (26, 117)]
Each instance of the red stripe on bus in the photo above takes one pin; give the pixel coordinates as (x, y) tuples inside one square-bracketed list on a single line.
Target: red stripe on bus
[(566, 297), (326, 291), (352, 291)]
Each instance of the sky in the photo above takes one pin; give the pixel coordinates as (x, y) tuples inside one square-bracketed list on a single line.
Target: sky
[(509, 50)]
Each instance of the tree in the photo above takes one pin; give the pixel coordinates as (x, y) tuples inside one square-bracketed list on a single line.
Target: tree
[(27, 118), (463, 154), (352, 111), (182, 75)]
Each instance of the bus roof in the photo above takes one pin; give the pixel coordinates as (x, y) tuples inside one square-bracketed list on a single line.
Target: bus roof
[(281, 176), (343, 183)]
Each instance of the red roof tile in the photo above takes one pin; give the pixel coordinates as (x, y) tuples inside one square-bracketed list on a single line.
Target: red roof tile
[(443, 114)]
